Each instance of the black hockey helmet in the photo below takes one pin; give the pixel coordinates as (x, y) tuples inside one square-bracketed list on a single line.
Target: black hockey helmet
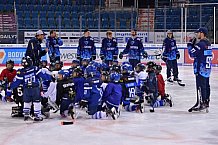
[(59, 62), (151, 65), (78, 70), (26, 61), (10, 62), (159, 67), (140, 67)]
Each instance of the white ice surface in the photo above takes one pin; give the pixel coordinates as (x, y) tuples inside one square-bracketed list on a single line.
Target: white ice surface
[(166, 126)]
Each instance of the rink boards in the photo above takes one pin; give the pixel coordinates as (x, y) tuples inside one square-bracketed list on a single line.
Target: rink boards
[(68, 52)]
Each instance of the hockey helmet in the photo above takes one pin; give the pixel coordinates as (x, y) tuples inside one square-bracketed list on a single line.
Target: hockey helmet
[(115, 77), (90, 71), (151, 65), (26, 61), (140, 67)]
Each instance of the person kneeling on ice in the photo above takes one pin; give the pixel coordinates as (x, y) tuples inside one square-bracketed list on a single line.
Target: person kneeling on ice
[(66, 94), (29, 77), (112, 96), (6, 77), (165, 99), (150, 85), (130, 101)]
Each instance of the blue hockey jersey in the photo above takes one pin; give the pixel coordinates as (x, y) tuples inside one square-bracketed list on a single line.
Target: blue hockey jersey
[(202, 54), (170, 49), (79, 88), (134, 48), (112, 94), (53, 45), (86, 48), (29, 77), (109, 48)]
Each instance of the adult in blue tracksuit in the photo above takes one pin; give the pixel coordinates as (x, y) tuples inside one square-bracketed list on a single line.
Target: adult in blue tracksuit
[(202, 54), (86, 48), (170, 56), (109, 49), (34, 49), (30, 77), (134, 49), (52, 43)]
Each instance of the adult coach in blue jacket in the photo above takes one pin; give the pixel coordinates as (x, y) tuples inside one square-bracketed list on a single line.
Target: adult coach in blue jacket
[(170, 56), (34, 49)]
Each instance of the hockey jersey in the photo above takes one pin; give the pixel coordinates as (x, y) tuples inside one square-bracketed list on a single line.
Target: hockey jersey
[(202, 54), (109, 49), (129, 84), (170, 49), (112, 94), (86, 48), (29, 77), (9, 74), (134, 48), (53, 45)]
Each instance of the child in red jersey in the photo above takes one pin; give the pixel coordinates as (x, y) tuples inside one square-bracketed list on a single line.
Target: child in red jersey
[(7, 75), (161, 88)]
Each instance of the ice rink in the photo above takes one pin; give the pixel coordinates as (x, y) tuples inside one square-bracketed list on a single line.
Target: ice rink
[(166, 126)]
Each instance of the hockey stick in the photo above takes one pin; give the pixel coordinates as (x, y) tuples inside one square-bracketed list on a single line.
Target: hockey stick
[(197, 104)]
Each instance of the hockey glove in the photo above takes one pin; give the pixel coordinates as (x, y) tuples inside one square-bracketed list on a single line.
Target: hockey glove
[(9, 93), (121, 55), (145, 54), (102, 57), (78, 57), (192, 42), (164, 58), (114, 57), (94, 57), (177, 55)]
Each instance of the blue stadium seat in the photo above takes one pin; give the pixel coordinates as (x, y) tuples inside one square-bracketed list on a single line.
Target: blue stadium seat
[(75, 23), (20, 14), (38, 8), (27, 15), (9, 7), (75, 16), (123, 24), (58, 14), (67, 15), (45, 7), (50, 14), (105, 24), (28, 23), (35, 14)]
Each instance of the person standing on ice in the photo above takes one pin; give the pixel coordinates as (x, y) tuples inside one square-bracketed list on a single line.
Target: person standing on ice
[(34, 49), (170, 56), (134, 49), (109, 49), (53, 43), (201, 51)]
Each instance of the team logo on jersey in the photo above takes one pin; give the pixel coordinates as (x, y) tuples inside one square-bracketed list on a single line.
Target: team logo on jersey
[(86, 42), (172, 43), (132, 42), (108, 44)]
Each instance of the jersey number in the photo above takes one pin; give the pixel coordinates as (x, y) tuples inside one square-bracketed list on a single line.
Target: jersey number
[(131, 92), (208, 62)]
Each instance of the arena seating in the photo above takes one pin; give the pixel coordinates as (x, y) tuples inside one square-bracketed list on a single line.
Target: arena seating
[(48, 12)]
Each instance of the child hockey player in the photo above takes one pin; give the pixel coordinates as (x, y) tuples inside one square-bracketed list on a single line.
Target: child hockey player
[(29, 77), (150, 85), (165, 98), (65, 94), (130, 101), (109, 49), (112, 95), (7, 75), (92, 91)]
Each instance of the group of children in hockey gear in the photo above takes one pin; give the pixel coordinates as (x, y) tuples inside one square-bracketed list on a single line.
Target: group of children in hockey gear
[(103, 90)]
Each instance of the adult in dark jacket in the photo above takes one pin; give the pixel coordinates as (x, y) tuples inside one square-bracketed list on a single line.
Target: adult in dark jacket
[(34, 49)]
